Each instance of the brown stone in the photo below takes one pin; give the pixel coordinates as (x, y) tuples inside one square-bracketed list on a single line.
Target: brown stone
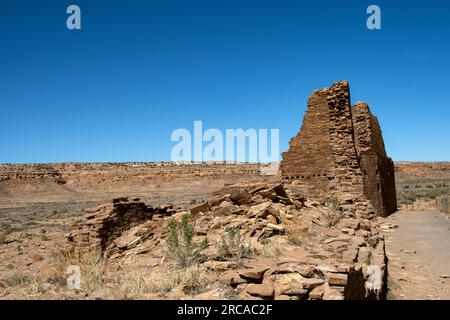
[(337, 279), (112, 225), (254, 274), (258, 209), (127, 241), (260, 290), (340, 149), (272, 219), (204, 207), (316, 293), (240, 197), (311, 283)]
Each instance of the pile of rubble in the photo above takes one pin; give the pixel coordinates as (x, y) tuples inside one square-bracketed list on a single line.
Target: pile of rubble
[(116, 226), (298, 249)]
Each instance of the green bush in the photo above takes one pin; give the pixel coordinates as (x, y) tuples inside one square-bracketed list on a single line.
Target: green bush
[(234, 247), (2, 238), (179, 245)]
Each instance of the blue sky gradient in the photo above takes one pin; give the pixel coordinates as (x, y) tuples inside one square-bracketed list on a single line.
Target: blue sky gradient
[(115, 90)]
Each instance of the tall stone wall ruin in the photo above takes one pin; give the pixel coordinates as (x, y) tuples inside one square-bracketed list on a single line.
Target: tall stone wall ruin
[(340, 150)]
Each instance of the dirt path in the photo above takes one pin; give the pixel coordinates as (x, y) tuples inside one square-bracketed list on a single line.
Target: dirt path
[(419, 256)]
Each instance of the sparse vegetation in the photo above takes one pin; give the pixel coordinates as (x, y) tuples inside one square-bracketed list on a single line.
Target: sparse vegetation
[(92, 266), (334, 213), (272, 249), (234, 247), (179, 246), (17, 279), (36, 288), (295, 235), (409, 194), (191, 280), (2, 239)]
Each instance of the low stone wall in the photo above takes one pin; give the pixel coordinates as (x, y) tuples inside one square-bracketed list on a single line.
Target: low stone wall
[(105, 225)]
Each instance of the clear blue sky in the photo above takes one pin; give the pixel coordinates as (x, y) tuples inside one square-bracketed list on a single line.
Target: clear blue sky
[(115, 90)]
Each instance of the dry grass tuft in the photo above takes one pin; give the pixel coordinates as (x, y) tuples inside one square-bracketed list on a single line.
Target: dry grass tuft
[(94, 275), (295, 235), (273, 249)]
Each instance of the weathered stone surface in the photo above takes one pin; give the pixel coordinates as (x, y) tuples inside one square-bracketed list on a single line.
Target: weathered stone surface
[(204, 207), (316, 293), (258, 209), (330, 293), (311, 283), (105, 226), (260, 290), (337, 279), (240, 197), (254, 274), (340, 150)]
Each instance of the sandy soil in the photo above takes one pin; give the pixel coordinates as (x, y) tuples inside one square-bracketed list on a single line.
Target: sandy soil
[(419, 256)]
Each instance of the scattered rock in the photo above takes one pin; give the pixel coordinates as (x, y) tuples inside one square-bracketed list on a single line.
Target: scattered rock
[(254, 274), (337, 279), (204, 207), (260, 290)]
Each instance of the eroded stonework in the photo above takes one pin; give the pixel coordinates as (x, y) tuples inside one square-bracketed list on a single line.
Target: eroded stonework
[(110, 227), (340, 150)]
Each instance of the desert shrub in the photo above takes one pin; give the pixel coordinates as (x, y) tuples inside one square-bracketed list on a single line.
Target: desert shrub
[(334, 212), (133, 283), (411, 197), (92, 266), (272, 249), (193, 280), (17, 279), (36, 288), (426, 193), (2, 238), (295, 235), (179, 246), (331, 202), (298, 236), (234, 247)]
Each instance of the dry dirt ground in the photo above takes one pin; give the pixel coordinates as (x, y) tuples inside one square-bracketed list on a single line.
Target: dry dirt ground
[(419, 256)]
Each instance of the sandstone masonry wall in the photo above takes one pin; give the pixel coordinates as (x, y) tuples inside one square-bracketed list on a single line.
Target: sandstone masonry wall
[(105, 225), (340, 150)]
